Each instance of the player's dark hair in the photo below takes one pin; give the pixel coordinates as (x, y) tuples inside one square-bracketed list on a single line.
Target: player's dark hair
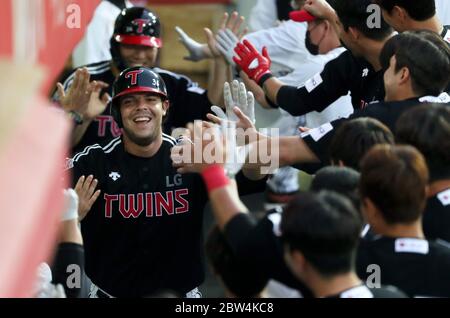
[(427, 127), (241, 279), (355, 13), (426, 56), (342, 180), (394, 178), (419, 10), (325, 228), (355, 137)]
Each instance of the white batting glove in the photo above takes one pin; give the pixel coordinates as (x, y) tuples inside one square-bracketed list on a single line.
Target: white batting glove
[(71, 205), (226, 42), (238, 96), (195, 49), (236, 155)]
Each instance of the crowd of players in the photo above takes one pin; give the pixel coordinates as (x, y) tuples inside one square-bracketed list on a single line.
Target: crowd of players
[(364, 110)]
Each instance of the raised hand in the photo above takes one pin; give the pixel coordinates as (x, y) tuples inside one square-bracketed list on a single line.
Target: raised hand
[(87, 195), (252, 63), (197, 51), (78, 94), (96, 105)]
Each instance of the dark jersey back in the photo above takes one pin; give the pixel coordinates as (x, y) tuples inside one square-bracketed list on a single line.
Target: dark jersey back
[(341, 75), (187, 102), (144, 232), (319, 139), (436, 218), (362, 291), (418, 267), (257, 243)]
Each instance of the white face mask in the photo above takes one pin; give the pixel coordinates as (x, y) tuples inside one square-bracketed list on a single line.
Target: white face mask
[(294, 5)]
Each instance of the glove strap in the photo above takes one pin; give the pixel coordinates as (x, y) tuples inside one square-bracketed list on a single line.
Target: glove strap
[(214, 177), (264, 78)]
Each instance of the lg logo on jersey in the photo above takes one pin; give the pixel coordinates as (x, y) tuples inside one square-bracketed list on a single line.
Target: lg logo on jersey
[(153, 203), (177, 181)]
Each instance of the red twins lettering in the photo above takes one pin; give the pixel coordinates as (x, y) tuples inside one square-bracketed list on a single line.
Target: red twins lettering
[(132, 205), (133, 75)]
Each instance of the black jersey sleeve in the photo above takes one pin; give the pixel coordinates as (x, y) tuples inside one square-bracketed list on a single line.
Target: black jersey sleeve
[(319, 139), (321, 90), (256, 244), (188, 101), (69, 261), (84, 163), (247, 186)]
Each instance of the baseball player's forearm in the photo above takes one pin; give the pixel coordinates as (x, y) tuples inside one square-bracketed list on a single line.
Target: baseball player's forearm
[(218, 77), (79, 131), (274, 152), (257, 91), (70, 232), (226, 204), (271, 88)]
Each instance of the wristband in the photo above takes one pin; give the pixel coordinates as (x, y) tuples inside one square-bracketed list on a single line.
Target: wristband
[(264, 78), (76, 117), (214, 177)]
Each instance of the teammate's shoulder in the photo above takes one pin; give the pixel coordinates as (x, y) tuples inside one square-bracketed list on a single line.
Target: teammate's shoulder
[(442, 247), (388, 291), (165, 74), (169, 140), (94, 152), (94, 69)]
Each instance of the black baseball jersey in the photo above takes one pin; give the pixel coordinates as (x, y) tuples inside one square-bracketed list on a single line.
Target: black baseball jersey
[(187, 100), (436, 218), (144, 232), (418, 267), (258, 243), (341, 75), (362, 291), (319, 139)]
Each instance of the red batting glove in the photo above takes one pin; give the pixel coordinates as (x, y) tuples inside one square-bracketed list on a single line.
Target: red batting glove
[(251, 62)]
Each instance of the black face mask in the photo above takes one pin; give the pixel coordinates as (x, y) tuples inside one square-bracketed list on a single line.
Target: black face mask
[(311, 47)]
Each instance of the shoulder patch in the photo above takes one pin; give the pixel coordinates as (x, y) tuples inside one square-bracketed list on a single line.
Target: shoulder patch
[(319, 132), (68, 164), (447, 36), (411, 245), (444, 197), (312, 83)]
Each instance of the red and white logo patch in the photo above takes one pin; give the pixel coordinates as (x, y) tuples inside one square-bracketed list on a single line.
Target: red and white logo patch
[(444, 197), (133, 75), (140, 23), (447, 37)]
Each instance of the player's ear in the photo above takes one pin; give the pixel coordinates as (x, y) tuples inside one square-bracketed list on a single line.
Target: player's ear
[(165, 105), (405, 75), (354, 33)]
